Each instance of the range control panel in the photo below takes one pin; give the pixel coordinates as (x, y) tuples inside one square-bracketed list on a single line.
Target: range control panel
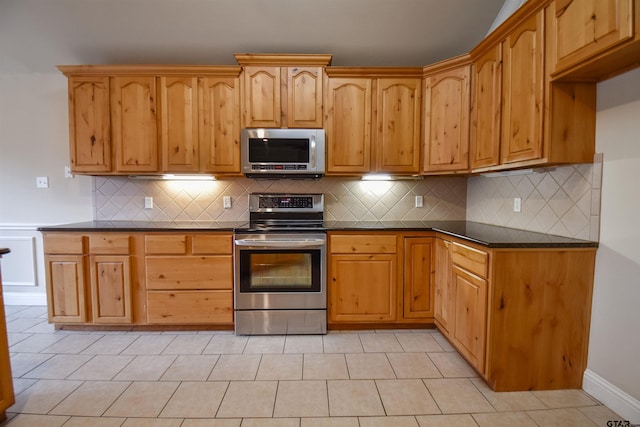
[(284, 202), (295, 202)]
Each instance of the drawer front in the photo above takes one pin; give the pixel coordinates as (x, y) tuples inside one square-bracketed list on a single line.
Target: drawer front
[(63, 244), (189, 307), (109, 244), (190, 272), (212, 244), (165, 245), (363, 244), (472, 260)]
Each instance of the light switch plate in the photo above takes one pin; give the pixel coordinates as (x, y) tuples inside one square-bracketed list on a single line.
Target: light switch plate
[(517, 204), (419, 202), (226, 202), (148, 202)]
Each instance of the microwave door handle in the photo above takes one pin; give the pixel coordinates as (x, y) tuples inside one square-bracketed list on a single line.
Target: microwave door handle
[(289, 244), (312, 141)]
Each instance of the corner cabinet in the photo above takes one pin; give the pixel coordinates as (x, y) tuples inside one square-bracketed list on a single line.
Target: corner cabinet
[(373, 120), (520, 317), (519, 117), (282, 90), (447, 108), (149, 119)]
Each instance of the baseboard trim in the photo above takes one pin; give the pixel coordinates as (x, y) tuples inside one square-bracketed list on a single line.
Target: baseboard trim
[(611, 396), (23, 298)]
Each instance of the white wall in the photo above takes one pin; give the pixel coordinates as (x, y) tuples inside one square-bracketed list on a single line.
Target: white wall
[(613, 374), (34, 142)]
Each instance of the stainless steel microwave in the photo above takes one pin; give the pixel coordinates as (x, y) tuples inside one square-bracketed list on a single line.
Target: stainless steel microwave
[(283, 153)]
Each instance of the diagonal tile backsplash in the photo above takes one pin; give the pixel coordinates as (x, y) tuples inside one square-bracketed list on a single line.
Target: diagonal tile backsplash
[(564, 200), (122, 198)]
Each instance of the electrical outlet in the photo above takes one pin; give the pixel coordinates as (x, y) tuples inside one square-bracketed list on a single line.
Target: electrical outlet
[(67, 172), (42, 182), (517, 204), (419, 201), (148, 202), (226, 202)]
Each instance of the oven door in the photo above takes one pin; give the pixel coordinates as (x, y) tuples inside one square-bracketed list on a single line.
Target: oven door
[(280, 271)]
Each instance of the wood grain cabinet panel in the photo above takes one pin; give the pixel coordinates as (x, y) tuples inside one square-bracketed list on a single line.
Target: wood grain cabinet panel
[(89, 124), (165, 244), (179, 124), (418, 278), (304, 97), (447, 102), (66, 288), (262, 104), (194, 272), (363, 243), (7, 397), (444, 301), (134, 127), (190, 307), (111, 289), (219, 125), (585, 28)]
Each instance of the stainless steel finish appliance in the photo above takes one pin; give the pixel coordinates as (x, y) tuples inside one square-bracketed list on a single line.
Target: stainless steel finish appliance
[(280, 264), (283, 153)]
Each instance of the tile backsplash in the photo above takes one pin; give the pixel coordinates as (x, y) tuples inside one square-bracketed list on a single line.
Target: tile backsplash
[(122, 198), (564, 201)]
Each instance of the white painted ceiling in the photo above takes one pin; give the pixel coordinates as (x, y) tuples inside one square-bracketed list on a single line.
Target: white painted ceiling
[(36, 35)]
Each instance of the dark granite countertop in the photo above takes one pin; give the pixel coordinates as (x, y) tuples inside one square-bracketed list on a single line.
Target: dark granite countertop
[(491, 236), (4, 251)]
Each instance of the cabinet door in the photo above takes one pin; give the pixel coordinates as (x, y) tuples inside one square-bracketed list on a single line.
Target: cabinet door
[(398, 125), (89, 124), (262, 104), (446, 121), (111, 288), (135, 134), (585, 28), (486, 111), (363, 288), (220, 124), (523, 84), (444, 287), (470, 327), (304, 97), (66, 288), (348, 125), (179, 124), (418, 277)]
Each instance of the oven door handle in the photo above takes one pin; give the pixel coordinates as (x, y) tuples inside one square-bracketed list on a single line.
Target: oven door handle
[(289, 244)]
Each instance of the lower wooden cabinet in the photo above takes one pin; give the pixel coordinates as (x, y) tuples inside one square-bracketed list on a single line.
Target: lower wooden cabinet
[(7, 397), (111, 289), (189, 279), (418, 289), (66, 288)]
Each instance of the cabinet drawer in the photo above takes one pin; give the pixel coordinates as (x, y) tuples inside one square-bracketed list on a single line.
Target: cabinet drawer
[(190, 272), (212, 245), (473, 260), (190, 307), (105, 244), (63, 244), (165, 245), (363, 244)]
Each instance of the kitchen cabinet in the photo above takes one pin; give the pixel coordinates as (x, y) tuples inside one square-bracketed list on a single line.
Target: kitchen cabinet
[(540, 122), (519, 316), (152, 119), (189, 279), (282, 90), (111, 280), (65, 275), (134, 127), (373, 119), (486, 115), (7, 397), (89, 124), (418, 278), (447, 108), (586, 28), (362, 277)]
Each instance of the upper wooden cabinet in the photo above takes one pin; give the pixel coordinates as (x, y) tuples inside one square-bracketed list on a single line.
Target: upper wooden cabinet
[(150, 119), (447, 107), (372, 120), (519, 117), (282, 90), (587, 31), (89, 124)]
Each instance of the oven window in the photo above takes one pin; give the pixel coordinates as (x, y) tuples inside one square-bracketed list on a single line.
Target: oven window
[(278, 150), (280, 271)]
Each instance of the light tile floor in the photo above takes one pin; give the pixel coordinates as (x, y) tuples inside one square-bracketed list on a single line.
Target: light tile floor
[(205, 378)]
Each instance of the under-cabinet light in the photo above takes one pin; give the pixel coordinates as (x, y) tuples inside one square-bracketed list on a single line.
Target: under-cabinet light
[(385, 177), (172, 177)]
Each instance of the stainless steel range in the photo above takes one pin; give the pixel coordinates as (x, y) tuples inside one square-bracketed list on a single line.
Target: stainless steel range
[(280, 265)]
